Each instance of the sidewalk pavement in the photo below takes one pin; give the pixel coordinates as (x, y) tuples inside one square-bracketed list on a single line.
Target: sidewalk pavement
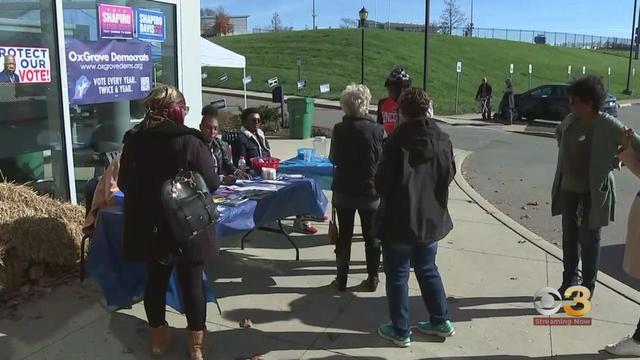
[(489, 270)]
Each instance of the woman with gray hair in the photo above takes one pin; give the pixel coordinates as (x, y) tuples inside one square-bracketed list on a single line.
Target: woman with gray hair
[(356, 149)]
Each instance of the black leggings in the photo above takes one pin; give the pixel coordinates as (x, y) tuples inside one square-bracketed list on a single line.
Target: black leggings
[(636, 336), (190, 278), (346, 218)]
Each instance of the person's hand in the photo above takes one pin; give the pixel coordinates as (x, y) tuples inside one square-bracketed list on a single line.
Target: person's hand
[(627, 139), (243, 175), (616, 163), (229, 180)]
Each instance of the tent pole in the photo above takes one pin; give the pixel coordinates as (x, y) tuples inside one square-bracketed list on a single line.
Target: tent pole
[(244, 72)]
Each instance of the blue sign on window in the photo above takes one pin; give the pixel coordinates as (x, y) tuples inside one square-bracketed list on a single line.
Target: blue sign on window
[(150, 25)]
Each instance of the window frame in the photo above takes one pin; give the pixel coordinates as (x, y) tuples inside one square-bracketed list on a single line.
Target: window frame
[(62, 62)]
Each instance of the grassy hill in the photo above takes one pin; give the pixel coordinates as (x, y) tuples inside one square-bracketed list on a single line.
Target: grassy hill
[(333, 56)]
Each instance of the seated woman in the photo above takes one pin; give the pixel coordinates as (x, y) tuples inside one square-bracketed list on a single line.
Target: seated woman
[(252, 143), (223, 164), (104, 195)]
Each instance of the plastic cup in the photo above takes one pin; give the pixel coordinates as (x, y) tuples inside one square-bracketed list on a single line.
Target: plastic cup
[(308, 153)]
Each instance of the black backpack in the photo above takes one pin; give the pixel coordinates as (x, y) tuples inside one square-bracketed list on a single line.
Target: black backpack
[(190, 211)]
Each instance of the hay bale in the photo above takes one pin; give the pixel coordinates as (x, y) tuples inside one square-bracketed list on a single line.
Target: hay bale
[(35, 230)]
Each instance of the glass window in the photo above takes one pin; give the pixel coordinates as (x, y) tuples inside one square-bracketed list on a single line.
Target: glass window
[(31, 141), (542, 91), (106, 87)]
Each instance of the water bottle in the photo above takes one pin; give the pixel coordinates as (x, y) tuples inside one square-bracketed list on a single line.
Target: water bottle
[(242, 164)]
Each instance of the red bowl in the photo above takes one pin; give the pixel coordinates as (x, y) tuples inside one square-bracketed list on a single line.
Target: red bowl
[(267, 162)]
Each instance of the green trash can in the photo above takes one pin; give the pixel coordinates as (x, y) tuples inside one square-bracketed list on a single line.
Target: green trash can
[(31, 164), (300, 117)]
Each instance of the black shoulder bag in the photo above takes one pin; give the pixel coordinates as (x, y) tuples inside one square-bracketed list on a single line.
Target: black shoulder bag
[(191, 213)]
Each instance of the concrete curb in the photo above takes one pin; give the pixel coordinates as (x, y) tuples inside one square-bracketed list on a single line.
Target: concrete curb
[(604, 279)]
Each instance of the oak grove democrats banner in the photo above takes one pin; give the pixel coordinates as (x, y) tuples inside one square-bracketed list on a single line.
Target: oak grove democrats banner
[(32, 63), (108, 71), (116, 22)]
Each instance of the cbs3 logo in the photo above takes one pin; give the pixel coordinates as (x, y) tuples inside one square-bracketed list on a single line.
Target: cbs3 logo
[(547, 301)]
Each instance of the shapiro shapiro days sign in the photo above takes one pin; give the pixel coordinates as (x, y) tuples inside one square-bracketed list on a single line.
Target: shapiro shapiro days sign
[(118, 22)]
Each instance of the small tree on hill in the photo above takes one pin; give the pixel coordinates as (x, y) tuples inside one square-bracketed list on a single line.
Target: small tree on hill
[(223, 25), (452, 16), (348, 23), (276, 22)]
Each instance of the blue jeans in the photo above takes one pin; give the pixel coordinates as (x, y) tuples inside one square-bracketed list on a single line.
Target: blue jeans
[(579, 241), (397, 261)]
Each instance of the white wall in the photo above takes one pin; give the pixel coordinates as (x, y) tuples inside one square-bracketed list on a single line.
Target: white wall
[(190, 68)]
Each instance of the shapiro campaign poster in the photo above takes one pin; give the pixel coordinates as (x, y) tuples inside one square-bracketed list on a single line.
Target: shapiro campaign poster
[(26, 65), (116, 22), (150, 25), (108, 71)]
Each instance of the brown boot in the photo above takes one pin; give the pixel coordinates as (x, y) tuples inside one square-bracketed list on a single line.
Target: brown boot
[(160, 340), (196, 345)]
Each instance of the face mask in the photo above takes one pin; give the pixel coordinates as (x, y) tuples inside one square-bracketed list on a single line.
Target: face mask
[(176, 114)]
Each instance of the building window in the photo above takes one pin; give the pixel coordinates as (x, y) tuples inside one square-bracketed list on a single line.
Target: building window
[(31, 141), (125, 59)]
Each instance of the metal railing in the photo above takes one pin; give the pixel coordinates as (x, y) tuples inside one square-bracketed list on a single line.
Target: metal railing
[(581, 41)]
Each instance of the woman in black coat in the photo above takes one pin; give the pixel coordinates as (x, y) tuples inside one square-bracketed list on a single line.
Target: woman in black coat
[(153, 153), (356, 148), (413, 181)]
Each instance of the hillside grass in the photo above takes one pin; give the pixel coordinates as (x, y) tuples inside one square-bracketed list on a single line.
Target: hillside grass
[(333, 56)]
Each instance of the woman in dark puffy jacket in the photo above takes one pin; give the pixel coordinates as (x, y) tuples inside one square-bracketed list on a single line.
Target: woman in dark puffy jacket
[(356, 148), (413, 180), (153, 153)]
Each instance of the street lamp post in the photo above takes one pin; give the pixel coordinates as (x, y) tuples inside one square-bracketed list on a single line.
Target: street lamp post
[(363, 20), (628, 90), (471, 23), (426, 44)]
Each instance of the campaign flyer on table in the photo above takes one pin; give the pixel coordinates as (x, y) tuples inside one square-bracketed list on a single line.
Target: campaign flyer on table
[(26, 65), (108, 71)]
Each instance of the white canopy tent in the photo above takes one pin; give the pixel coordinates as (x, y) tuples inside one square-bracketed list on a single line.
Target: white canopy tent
[(215, 55)]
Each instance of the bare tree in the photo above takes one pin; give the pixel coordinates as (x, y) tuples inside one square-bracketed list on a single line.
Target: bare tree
[(223, 25), (348, 23), (276, 22), (452, 16)]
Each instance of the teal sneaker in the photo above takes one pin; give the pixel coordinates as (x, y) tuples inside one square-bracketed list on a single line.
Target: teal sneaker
[(387, 332), (444, 329)]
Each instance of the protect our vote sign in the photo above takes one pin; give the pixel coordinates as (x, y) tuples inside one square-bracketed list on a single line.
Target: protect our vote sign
[(32, 64), (108, 71)]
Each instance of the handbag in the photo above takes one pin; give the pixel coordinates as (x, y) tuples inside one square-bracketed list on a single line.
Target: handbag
[(190, 211), (333, 227)]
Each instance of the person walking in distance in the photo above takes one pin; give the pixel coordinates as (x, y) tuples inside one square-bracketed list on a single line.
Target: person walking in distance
[(484, 93), (356, 149), (413, 182), (153, 152), (584, 188)]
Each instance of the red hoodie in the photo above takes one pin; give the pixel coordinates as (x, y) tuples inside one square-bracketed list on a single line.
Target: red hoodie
[(388, 114)]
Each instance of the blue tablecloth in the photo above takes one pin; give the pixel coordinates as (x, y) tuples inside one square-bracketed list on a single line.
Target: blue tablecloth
[(319, 169), (123, 282)]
